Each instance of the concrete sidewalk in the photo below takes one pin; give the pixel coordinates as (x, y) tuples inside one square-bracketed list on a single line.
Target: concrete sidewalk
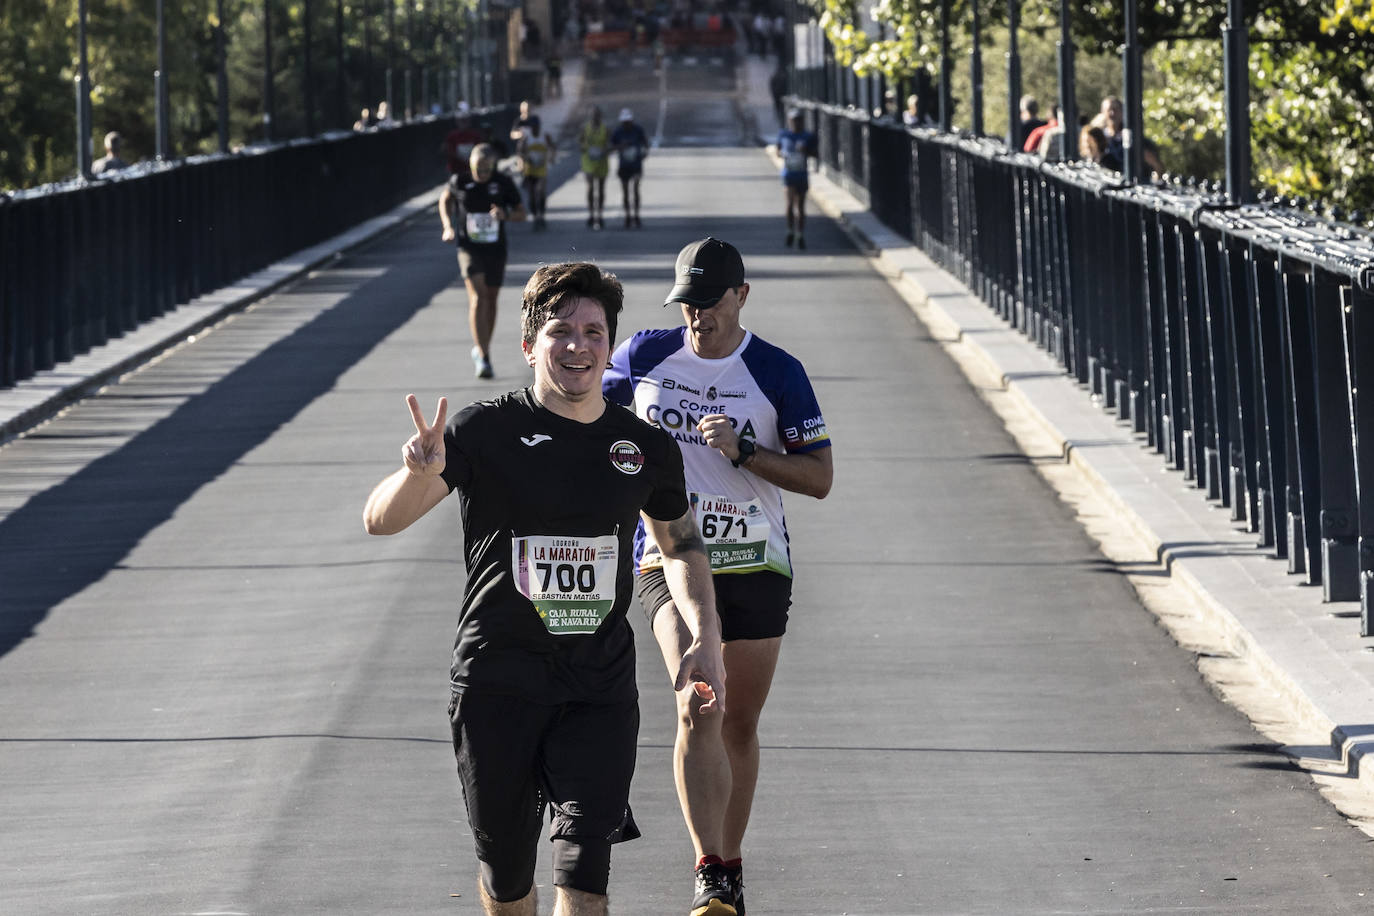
[(1295, 665), (34, 400)]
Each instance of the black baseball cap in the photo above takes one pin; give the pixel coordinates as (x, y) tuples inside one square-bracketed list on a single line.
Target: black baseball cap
[(705, 271)]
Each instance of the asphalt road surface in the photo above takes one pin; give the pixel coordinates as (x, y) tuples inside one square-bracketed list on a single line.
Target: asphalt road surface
[(218, 695)]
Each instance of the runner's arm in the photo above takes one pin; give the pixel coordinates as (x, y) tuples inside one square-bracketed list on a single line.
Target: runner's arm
[(688, 573), (446, 204), (810, 473), (399, 500), (410, 492)]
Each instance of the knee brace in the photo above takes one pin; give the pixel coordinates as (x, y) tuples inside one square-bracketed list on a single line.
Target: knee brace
[(582, 864), (509, 885)]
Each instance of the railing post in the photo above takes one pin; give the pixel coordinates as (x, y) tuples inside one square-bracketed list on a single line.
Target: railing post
[(1335, 446), (1359, 344)]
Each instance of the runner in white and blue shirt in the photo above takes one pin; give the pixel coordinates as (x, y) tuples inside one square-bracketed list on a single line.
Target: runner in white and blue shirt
[(768, 398), (748, 424)]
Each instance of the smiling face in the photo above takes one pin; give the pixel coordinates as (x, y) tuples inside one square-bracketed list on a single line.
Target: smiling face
[(715, 332), (569, 357)]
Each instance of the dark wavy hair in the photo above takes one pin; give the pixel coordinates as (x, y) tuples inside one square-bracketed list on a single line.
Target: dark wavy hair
[(555, 286)]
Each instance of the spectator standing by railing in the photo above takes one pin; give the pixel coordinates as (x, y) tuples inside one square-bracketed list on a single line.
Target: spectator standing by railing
[(1094, 146), (915, 115), (1030, 119), (110, 162), (1033, 138), (1111, 122)]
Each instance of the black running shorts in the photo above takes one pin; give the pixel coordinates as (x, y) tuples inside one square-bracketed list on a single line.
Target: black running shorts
[(490, 265), (751, 605), (515, 756)]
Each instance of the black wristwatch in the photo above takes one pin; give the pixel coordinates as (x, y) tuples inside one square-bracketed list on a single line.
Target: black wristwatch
[(746, 451)]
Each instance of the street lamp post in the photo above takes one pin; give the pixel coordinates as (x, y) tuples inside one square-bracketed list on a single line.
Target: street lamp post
[(269, 102), (340, 93), (1013, 76), (309, 82), (221, 78), (390, 55), (160, 85), (1068, 106), (83, 95), (1236, 45), (1132, 141), (946, 102), (976, 72)]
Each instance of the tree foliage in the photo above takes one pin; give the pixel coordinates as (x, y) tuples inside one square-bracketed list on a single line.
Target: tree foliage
[(1311, 76), (39, 63)]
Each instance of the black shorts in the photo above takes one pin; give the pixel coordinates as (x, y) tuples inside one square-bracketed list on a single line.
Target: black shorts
[(490, 265), (751, 605), (515, 756)]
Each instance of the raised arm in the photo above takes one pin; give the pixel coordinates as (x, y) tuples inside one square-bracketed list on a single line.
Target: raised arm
[(410, 492), (688, 573)]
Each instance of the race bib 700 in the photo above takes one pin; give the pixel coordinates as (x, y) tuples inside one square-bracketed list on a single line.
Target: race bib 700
[(569, 580)]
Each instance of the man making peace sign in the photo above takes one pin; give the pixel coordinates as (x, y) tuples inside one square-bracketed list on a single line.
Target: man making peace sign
[(552, 481)]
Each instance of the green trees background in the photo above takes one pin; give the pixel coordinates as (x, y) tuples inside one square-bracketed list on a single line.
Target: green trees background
[(1311, 78), (38, 65)]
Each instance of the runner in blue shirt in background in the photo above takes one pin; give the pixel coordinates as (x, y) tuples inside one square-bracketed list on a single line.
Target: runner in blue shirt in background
[(796, 145)]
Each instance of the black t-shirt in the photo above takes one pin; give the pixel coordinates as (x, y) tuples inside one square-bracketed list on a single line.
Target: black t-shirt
[(476, 228), (549, 508)]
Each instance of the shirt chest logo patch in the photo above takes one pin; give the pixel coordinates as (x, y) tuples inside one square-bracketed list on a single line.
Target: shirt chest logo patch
[(626, 457), (536, 439)]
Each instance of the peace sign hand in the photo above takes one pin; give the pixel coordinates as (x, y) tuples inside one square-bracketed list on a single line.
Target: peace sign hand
[(423, 453)]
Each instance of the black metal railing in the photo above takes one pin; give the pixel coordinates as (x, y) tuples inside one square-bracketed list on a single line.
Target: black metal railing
[(1236, 340), (85, 262)]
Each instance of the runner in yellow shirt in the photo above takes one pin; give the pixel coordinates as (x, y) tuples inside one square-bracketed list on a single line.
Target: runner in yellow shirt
[(537, 153), (595, 142)]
